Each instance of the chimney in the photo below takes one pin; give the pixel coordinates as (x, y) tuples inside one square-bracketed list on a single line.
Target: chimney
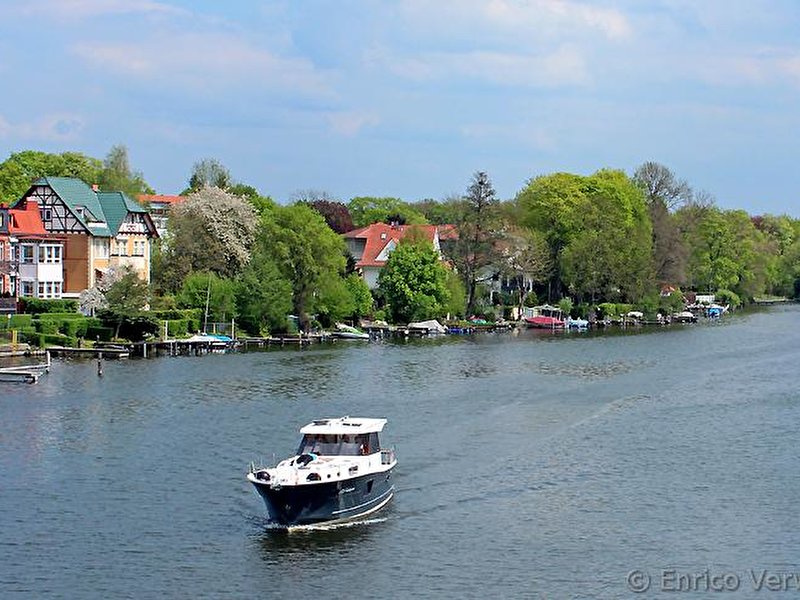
[(95, 187)]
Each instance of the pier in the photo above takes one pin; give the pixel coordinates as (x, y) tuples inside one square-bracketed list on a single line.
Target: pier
[(25, 373)]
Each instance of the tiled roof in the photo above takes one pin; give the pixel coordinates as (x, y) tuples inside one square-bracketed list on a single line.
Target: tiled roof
[(116, 207), (75, 193), (379, 235), (160, 199), (27, 221)]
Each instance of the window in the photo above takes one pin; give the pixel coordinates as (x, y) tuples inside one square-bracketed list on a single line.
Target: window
[(2, 251), (41, 289), (50, 254), (138, 247), (27, 253), (27, 288), (122, 247), (100, 246), (47, 214)]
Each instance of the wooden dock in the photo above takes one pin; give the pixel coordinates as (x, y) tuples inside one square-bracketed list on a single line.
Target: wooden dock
[(96, 352), (24, 373)]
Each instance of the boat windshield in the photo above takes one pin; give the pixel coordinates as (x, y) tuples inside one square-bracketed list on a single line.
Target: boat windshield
[(339, 445)]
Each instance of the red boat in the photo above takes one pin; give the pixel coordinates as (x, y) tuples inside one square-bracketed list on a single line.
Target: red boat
[(543, 317)]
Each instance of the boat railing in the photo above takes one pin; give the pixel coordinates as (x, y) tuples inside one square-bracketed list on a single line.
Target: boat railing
[(387, 456)]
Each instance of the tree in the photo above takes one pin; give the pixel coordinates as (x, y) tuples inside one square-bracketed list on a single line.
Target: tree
[(335, 214), (366, 210), (307, 252), (21, 169), (439, 213), (117, 175), (527, 258), (361, 294), (263, 295), (478, 224), (209, 172), (414, 283), (212, 230), (663, 193), (126, 296), (208, 290), (260, 203)]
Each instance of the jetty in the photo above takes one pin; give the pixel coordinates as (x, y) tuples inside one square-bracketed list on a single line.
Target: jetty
[(25, 373)]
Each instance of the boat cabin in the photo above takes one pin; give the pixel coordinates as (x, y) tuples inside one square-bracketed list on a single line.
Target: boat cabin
[(345, 436)]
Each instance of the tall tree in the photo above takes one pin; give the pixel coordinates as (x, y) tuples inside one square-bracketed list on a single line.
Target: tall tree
[(209, 172), (479, 229), (335, 214), (126, 297), (117, 175), (307, 252), (263, 295)]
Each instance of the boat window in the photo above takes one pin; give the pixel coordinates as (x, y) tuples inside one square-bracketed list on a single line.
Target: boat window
[(339, 445)]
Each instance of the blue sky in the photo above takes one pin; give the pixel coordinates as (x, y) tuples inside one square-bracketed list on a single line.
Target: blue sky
[(409, 98)]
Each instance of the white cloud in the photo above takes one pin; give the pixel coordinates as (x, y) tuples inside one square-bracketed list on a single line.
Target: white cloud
[(202, 61), (55, 127), (564, 66)]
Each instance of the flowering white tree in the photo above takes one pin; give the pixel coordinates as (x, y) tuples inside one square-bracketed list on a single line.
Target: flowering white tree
[(212, 230)]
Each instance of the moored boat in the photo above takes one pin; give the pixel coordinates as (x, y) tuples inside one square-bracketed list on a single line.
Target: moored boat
[(347, 332), (543, 317), (339, 473)]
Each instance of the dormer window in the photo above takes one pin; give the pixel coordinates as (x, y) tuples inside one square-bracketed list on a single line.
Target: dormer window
[(383, 235), (79, 211), (47, 214)]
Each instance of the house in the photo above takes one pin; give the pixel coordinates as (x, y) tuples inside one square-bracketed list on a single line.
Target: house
[(7, 268), (159, 205), (100, 229), (370, 246), (37, 254)]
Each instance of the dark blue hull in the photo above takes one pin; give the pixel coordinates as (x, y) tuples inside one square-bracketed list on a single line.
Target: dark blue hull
[(322, 502)]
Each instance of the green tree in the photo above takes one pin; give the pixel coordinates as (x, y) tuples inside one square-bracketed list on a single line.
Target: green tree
[(208, 290), (263, 295), (476, 253), (361, 295), (365, 210), (414, 283), (117, 175), (308, 254), (126, 297), (21, 169)]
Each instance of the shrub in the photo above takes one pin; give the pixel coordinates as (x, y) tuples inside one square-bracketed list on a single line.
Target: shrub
[(46, 326), (35, 306), (177, 327), (728, 297), (20, 321), (103, 334)]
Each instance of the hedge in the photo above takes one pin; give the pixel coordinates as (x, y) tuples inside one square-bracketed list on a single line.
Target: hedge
[(16, 322), (46, 326), (36, 306)]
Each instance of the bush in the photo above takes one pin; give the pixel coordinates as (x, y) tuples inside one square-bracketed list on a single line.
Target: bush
[(728, 297), (531, 299), (103, 334), (46, 326), (607, 310), (58, 339), (177, 327), (35, 306), (19, 321)]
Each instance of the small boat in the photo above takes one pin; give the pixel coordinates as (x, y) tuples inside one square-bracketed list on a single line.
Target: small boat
[(429, 327), (577, 323), (339, 473), (684, 316), (347, 332), (543, 317)]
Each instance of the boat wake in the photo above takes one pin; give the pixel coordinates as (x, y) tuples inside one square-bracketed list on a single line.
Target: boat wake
[(322, 526)]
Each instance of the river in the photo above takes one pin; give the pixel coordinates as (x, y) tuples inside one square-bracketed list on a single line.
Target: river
[(530, 465)]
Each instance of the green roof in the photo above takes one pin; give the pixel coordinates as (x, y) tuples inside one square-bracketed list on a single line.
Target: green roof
[(103, 212)]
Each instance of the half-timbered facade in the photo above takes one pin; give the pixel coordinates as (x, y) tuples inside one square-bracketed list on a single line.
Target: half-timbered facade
[(100, 229)]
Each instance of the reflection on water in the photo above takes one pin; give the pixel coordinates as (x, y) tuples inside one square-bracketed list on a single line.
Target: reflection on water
[(580, 456)]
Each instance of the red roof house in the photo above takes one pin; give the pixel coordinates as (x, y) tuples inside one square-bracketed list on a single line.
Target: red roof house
[(371, 245)]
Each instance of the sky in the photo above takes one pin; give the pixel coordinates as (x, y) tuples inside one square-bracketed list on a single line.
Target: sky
[(409, 98)]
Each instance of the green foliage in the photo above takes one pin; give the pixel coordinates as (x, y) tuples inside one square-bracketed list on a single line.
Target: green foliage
[(456, 295), (177, 327), (728, 297), (263, 294), (126, 298), (531, 299), (361, 295), (117, 175), (220, 294), (19, 321), (35, 306), (365, 210), (21, 169), (307, 253), (209, 172), (414, 283), (565, 304), (46, 326), (98, 333), (671, 304)]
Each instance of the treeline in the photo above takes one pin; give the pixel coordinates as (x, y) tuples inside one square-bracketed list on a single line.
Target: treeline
[(603, 238)]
